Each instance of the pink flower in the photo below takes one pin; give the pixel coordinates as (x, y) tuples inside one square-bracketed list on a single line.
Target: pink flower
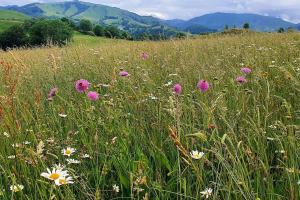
[(82, 85), (241, 79), (203, 85), (123, 73), (246, 70), (177, 89), (52, 93), (93, 96), (145, 56)]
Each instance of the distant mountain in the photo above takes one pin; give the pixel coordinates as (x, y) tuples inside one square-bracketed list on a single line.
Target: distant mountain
[(96, 13), (185, 26), (257, 22), (136, 24)]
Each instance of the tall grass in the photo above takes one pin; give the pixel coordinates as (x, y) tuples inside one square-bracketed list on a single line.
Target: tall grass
[(139, 134)]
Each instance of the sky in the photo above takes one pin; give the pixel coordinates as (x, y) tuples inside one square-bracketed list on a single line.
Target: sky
[(185, 9)]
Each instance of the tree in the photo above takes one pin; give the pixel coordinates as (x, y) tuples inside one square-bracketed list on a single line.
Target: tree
[(280, 30), (99, 30), (226, 27), (69, 22), (112, 32), (50, 31), (15, 36), (85, 25), (246, 25)]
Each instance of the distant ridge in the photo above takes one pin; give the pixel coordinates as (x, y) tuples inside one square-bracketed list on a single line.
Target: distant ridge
[(135, 23), (218, 21)]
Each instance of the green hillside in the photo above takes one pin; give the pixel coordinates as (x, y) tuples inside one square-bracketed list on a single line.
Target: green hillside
[(96, 13), (12, 15), (9, 18)]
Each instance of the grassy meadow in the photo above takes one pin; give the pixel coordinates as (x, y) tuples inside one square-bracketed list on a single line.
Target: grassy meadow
[(10, 18), (136, 141)]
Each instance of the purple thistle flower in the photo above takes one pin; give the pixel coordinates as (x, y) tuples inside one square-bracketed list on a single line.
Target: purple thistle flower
[(203, 85), (177, 89), (82, 85), (246, 70), (52, 93), (145, 56), (241, 79), (93, 96), (123, 73)]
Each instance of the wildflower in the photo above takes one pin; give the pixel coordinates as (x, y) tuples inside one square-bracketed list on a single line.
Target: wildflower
[(207, 193), (64, 181), (11, 157), (168, 83), (73, 161), (145, 56), (51, 94), (16, 188), (203, 85), (26, 142), (68, 151), (85, 156), (93, 96), (58, 175), (298, 182), (116, 188), (241, 79), (196, 154), (55, 174), (82, 85), (62, 115), (123, 73), (113, 141), (6, 134), (177, 89), (246, 70), (152, 97)]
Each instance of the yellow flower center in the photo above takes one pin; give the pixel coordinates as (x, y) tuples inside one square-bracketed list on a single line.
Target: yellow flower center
[(68, 152), (62, 181), (54, 176)]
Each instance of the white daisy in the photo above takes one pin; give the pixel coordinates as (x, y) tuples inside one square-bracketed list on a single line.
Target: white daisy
[(85, 156), (207, 193), (68, 151), (196, 154), (62, 115), (16, 188), (116, 188), (55, 174), (64, 181), (11, 157), (73, 161)]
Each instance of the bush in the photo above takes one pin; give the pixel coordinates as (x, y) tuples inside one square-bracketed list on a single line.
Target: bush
[(50, 31), (85, 25), (15, 36), (99, 30), (246, 26)]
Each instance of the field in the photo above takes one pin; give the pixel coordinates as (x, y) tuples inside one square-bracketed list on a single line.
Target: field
[(10, 18), (137, 141)]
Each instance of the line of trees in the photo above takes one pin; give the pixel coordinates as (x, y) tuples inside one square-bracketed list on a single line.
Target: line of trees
[(87, 27), (36, 33)]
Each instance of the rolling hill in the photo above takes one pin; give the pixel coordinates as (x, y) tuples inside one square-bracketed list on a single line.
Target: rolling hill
[(136, 24), (217, 21), (9, 18), (96, 13)]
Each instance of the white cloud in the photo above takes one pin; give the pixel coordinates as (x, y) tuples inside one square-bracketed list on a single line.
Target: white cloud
[(185, 9)]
